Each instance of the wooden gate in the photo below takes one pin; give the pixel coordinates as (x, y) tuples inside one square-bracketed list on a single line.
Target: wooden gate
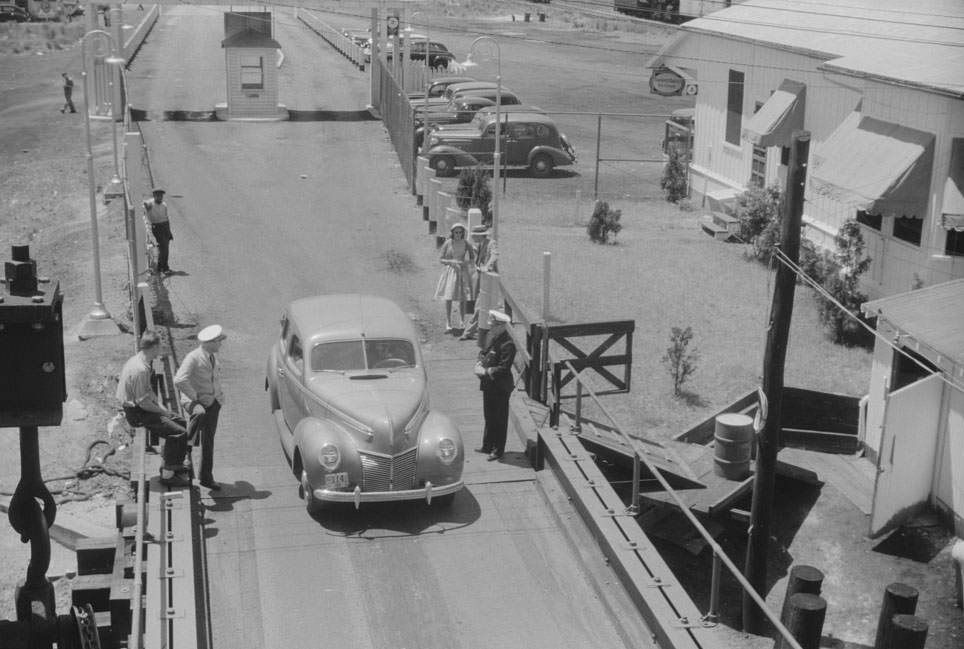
[(551, 346)]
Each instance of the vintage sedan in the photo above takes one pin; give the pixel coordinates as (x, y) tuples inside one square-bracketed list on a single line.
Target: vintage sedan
[(528, 139), (349, 392)]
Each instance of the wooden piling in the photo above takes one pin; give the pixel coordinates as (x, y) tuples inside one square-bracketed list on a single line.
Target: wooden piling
[(906, 632), (803, 579), (898, 599), (804, 621)]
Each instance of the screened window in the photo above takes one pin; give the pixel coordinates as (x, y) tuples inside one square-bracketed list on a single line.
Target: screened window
[(909, 229), (252, 72), (954, 245), (870, 220), (734, 107)]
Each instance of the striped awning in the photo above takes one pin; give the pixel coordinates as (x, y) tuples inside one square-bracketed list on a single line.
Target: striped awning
[(952, 211), (876, 166), (776, 120)]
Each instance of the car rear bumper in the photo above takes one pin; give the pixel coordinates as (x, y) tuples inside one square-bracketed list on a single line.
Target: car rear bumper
[(358, 496)]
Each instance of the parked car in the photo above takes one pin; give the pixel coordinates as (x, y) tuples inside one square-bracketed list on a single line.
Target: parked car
[(528, 140), (361, 39), (349, 392), (437, 86), (460, 110), (470, 89), (439, 55), (10, 12)]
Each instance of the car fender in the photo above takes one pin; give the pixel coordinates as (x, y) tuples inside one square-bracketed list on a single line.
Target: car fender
[(462, 158), (559, 157), (311, 434), (435, 427)]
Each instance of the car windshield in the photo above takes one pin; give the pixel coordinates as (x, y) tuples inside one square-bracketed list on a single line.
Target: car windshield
[(347, 355)]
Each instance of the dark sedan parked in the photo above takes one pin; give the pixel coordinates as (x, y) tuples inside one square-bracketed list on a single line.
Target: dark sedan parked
[(12, 13)]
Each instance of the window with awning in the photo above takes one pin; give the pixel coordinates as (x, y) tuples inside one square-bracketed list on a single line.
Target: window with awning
[(876, 166), (779, 116), (952, 210)]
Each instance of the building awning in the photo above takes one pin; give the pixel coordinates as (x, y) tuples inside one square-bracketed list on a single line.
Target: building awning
[(875, 166), (776, 120), (952, 212)]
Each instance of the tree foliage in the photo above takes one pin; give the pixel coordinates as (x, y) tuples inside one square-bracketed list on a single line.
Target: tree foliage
[(760, 210), (674, 177), (474, 191), (679, 359), (603, 223)]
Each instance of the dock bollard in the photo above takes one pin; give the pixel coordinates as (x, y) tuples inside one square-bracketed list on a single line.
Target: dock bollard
[(804, 621), (906, 632), (899, 599), (803, 579)]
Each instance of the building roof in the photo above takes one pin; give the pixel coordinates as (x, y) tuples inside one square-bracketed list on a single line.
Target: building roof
[(932, 318), (250, 38), (915, 43)]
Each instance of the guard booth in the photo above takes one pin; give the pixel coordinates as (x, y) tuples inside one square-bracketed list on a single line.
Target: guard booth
[(251, 66)]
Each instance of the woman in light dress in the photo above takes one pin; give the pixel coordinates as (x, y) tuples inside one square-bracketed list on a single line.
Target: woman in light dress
[(455, 283)]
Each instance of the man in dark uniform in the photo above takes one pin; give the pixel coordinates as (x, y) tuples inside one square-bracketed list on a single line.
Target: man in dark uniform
[(68, 94), (494, 369)]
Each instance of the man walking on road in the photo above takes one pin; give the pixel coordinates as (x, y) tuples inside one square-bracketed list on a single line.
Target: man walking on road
[(156, 211), (68, 94), (494, 369), (198, 379), (141, 408)]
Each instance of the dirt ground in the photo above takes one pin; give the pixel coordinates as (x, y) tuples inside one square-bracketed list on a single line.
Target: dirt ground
[(44, 202)]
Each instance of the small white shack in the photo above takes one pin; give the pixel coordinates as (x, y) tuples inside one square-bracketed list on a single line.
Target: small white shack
[(251, 65), (915, 407)]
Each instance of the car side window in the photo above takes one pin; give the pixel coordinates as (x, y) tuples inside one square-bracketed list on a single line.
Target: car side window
[(295, 351), (542, 130), (285, 323)]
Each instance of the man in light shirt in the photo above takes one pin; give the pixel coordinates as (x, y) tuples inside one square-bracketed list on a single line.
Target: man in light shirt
[(198, 379)]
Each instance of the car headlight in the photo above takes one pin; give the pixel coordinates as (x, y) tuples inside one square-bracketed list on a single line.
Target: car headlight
[(433, 141), (329, 457), (446, 450)]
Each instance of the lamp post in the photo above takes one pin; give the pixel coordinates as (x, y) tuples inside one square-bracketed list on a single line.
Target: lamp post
[(481, 43), (98, 312)]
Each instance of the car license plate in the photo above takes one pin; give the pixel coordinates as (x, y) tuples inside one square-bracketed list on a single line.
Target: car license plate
[(336, 480)]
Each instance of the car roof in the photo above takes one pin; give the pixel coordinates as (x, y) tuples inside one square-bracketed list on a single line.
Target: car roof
[(522, 117), (512, 108), (468, 85), (349, 317)]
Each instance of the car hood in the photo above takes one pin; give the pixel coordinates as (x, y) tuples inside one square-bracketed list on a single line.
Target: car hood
[(379, 401)]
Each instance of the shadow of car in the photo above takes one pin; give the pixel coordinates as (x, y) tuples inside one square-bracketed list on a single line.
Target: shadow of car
[(349, 393)]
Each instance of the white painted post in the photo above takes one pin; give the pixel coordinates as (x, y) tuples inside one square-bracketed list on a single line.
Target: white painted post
[(546, 272)]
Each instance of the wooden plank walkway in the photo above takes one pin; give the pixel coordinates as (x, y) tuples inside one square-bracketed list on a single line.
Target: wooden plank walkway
[(852, 475)]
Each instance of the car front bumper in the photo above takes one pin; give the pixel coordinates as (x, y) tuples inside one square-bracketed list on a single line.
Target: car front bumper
[(357, 496)]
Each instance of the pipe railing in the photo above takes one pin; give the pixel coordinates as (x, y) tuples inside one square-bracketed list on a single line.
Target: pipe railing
[(639, 458)]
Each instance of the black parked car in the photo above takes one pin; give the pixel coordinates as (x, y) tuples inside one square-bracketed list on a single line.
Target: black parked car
[(10, 12)]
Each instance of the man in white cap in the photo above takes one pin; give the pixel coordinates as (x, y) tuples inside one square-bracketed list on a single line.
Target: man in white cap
[(486, 261), (156, 211), (198, 379), (494, 369)]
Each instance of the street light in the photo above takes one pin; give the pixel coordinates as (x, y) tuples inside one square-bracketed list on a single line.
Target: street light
[(487, 46), (98, 312)]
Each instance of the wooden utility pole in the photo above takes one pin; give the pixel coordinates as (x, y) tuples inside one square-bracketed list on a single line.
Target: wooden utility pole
[(778, 333)]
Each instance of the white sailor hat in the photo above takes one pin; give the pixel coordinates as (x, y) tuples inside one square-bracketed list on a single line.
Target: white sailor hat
[(211, 333)]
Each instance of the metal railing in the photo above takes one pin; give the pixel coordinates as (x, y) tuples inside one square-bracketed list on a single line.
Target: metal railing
[(639, 460)]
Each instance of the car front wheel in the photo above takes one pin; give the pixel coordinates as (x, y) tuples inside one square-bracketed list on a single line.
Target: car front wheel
[(541, 165), (443, 165)]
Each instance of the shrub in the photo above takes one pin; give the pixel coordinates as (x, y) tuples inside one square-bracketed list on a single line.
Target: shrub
[(474, 191), (674, 177), (603, 222), (841, 274), (679, 359), (760, 212)]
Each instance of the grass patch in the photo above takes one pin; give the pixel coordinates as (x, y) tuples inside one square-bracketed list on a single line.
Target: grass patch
[(663, 272)]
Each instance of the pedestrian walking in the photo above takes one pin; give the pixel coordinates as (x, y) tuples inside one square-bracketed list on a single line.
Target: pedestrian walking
[(156, 211), (141, 408), (486, 261), (455, 282), (68, 94), (198, 379), (494, 369)]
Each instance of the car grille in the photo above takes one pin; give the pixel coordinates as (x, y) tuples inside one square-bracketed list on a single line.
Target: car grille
[(384, 473)]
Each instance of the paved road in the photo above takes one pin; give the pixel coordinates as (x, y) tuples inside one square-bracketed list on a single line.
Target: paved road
[(264, 213)]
